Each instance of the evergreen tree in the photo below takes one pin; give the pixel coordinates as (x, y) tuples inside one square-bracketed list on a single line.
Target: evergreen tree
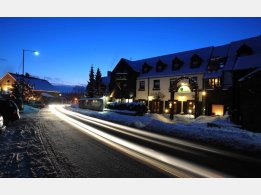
[(90, 88), (22, 90), (98, 84), (17, 90)]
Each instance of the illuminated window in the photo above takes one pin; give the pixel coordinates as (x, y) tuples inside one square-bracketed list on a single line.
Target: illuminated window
[(218, 109), (142, 86), (156, 84), (214, 82)]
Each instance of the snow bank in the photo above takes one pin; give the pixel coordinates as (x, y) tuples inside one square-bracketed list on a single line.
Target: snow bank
[(215, 130), (29, 109)]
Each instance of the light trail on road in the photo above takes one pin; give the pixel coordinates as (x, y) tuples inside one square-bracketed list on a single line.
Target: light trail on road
[(169, 164)]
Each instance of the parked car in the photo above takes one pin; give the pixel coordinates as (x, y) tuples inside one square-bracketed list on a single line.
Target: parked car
[(9, 110), (37, 104), (19, 103), (2, 126)]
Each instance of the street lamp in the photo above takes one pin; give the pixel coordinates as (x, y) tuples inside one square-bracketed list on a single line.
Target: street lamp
[(35, 53), (203, 99)]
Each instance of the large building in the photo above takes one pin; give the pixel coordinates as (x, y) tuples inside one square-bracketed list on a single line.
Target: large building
[(204, 80)]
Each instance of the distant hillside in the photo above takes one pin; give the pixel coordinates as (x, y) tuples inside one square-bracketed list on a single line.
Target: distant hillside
[(69, 88)]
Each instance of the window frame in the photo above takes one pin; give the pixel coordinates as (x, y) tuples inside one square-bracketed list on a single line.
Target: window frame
[(140, 88), (213, 83), (154, 82)]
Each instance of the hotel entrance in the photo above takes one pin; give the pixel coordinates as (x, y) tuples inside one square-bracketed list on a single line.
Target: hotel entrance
[(185, 100), (185, 107)]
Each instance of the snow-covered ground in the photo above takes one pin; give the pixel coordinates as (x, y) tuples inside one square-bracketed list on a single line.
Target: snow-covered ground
[(207, 129), (29, 109), (22, 153)]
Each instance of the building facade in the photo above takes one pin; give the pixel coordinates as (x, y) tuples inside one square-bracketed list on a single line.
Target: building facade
[(204, 80)]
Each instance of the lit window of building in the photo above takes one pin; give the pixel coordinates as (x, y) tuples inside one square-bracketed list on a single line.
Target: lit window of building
[(214, 82)]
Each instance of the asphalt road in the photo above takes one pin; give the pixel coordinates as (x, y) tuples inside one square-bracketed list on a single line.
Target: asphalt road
[(172, 157), (76, 154), (56, 142)]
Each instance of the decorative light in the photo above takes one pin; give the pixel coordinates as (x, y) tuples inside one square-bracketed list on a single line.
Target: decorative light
[(204, 93), (182, 98), (150, 98), (190, 111), (166, 110)]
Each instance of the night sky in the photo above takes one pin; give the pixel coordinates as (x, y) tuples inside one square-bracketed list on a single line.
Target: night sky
[(68, 46)]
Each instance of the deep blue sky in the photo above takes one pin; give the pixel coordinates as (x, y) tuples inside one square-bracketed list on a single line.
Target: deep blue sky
[(68, 46)]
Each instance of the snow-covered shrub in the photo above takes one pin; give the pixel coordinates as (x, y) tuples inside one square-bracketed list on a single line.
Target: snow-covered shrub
[(137, 107)]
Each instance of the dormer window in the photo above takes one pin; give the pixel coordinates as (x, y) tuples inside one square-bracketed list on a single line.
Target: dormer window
[(244, 50), (216, 63), (195, 61), (160, 66), (176, 64), (146, 68)]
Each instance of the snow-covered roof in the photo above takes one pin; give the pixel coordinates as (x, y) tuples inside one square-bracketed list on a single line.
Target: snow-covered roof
[(247, 62), (203, 53), (220, 51), (254, 43), (36, 83), (47, 95), (215, 74), (227, 50)]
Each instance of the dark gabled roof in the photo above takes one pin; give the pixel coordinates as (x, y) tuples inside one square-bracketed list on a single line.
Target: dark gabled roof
[(185, 57), (36, 83), (248, 62)]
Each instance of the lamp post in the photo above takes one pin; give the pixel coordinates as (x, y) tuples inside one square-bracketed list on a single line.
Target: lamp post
[(203, 99), (35, 53)]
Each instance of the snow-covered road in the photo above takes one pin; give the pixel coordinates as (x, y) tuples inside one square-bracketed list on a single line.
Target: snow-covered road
[(55, 142), (42, 145), (175, 156)]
